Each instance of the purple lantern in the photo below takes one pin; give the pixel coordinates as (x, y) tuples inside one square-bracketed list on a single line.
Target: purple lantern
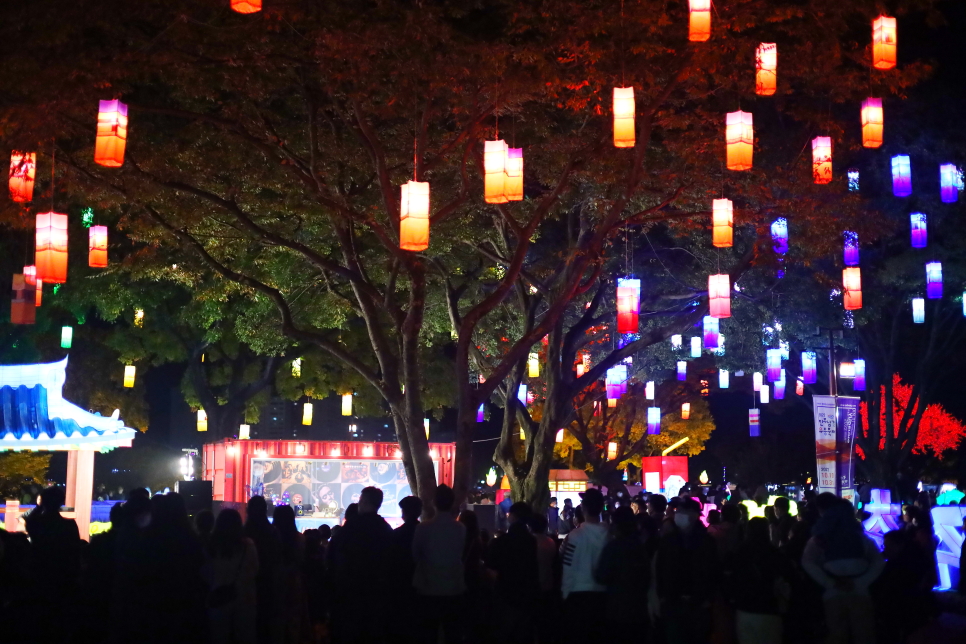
[(901, 175), (653, 420), (480, 415), (917, 223), (711, 330), (773, 358), (858, 384), (779, 236), (851, 248), (934, 280), (682, 370), (780, 387), (948, 183), (809, 367), (754, 428), (522, 395)]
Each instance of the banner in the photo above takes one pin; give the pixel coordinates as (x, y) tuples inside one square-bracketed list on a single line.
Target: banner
[(848, 421), (825, 435)]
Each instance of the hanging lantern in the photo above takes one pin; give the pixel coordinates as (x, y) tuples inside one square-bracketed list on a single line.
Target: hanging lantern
[(852, 288), (719, 295), (822, 159), (722, 222), (872, 122), (129, 373), (23, 167), (740, 138), (533, 366), (695, 347), (918, 310), (884, 42), (853, 180), (799, 387), (202, 420), (558, 438), (297, 368), (347, 404), (859, 383), (480, 414), (307, 413), (649, 390), (699, 29), (624, 111), (757, 380), (522, 394), (23, 309), (711, 330), (628, 305), (66, 337), (780, 387), (50, 256), (682, 370), (97, 246), (414, 216), (766, 64), (901, 175), (653, 420), (611, 451), (934, 280), (764, 394), (779, 236), (809, 367), (30, 275), (918, 231), (514, 174), (111, 134), (948, 183), (494, 169), (580, 368), (851, 248), (685, 411), (246, 6), (773, 359), (245, 432), (724, 378), (754, 426)]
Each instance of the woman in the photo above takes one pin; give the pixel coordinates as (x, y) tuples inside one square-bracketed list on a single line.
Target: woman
[(231, 570), (291, 615)]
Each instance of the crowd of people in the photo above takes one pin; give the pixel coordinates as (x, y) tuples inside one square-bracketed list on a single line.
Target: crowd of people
[(642, 569)]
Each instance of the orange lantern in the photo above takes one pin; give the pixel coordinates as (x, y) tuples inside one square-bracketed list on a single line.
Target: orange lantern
[(719, 295), (97, 246), (884, 42), (30, 275), (111, 134), (852, 288), (22, 309), (740, 137), (514, 174), (722, 220), (822, 159), (685, 411), (414, 216), (611, 450), (246, 6), (624, 110), (494, 169), (700, 27), (872, 122), (50, 256), (23, 166), (766, 63)]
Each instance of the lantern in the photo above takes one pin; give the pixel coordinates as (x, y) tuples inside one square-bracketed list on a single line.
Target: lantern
[(129, 373), (676, 341), (97, 247), (522, 394), (414, 216), (853, 180), (50, 256), (822, 159), (66, 337), (246, 6), (799, 387), (426, 429), (766, 66), (754, 426), (773, 359), (23, 166), (851, 248), (711, 330), (347, 404), (307, 413), (682, 370), (245, 432), (740, 138), (780, 387), (724, 378), (722, 221), (809, 367), (901, 175), (30, 275), (764, 394), (202, 420), (917, 229), (779, 236), (918, 310), (514, 174), (948, 183), (611, 451), (559, 436), (653, 420), (757, 380), (580, 368), (719, 295), (699, 29), (297, 368), (111, 134), (480, 414), (494, 169), (859, 383), (533, 366), (852, 288), (23, 309), (649, 390), (628, 305), (695, 347), (872, 122), (884, 42), (624, 110), (934, 280)]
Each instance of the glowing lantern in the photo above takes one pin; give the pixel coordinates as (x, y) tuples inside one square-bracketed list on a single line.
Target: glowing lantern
[(245, 432), (522, 394), (347, 404), (129, 374), (414, 216), (611, 451), (695, 347), (757, 380), (780, 387), (853, 180), (699, 29), (23, 167), (724, 378), (297, 368), (851, 248), (624, 110), (480, 414), (711, 331), (649, 390), (202, 420), (111, 134), (494, 169), (23, 309), (50, 256), (918, 310), (533, 366), (676, 341), (628, 305), (682, 370), (307, 413), (580, 368), (859, 383), (514, 174), (901, 175), (30, 277), (66, 337), (97, 247), (822, 159), (426, 428), (653, 420), (719, 295), (799, 387), (917, 229), (884, 42), (766, 63), (765, 394), (740, 138), (872, 122), (491, 477), (558, 438), (754, 422), (852, 288), (685, 411), (948, 183), (934, 280), (722, 221), (773, 359), (779, 236), (246, 6), (809, 367)]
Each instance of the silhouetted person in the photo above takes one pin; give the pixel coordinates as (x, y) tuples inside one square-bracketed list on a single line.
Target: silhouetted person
[(204, 524), (291, 618), (625, 571), (269, 548), (476, 608), (438, 554), (580, 555), (232, 570), (351, 511), (55, 545), (760, 586), (403, 568), (513, 557)]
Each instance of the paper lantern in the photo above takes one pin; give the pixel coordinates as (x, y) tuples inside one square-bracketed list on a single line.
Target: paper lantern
[(111, 134), (97, 247), (722, 223), (773, 360), (852, 288), (799, 387), (514, 174), (522, 394), (884, 42), (901, 175), (628, 305), (934, 280), (719, 295), (23, 167), (851, 248), (580, 369), (426, 429), (246, 6), (66, 337), (699, 29), (653, 420), (559, 436), (859, 383), (918, 310), (685, 411), (809, 367), (649, 390), (766, 69), (245, 432), (711, 328), (129, 373), (533, 366), (50, 256), (624, 111), (740, 138), (917, 229), (853, 180), (202, 420), (23, 309), (480, 414), (346, 404), (611, 451), (30, 275), (779, 236), (695, 347), (948, 183), (822, 159), (307, 413), (872, 122), (757, 380), (682, 370), (414, 216), (494, 171), (754, 426), (780, 387), (676, 341), (764, 394), (724, 378)]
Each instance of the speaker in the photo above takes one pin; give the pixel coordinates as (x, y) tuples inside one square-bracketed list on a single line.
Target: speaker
[(196, 494)]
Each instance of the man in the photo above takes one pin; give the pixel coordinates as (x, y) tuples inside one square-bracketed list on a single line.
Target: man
[(553, 518), (783, 523), (580, 554), (438, 554), (404, 567), (566, 521), (513, 557)]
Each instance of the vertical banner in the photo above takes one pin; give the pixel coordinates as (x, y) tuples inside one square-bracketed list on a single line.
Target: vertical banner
[(825, 434), (848, 420)]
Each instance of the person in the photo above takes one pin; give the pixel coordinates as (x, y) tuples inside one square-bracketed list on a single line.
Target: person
[(476, 606), (204, 525), (727, 533), (567, 520), (553, 518), (232, 572), (656, 508), (439, 579), (290, 612), (580, 554), (504, 510), (547, 608), (844, 562), (351, 511), (359, 558), (781, 527), (269, 547), (402, 545), (901, 593), (513, 559), (760, 586), (625, 571)]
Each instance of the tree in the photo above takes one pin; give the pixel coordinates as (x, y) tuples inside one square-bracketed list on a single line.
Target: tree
[(22, 468)]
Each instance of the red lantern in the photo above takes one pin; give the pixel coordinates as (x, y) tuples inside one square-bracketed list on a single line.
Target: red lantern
[(700, 26), (23, 166), (719, 295), (884, 42), (766, 73), (97, 247), (246, 6), (30, 275), (740, 137), (22, 308), (822, 159), (50, 256), (414, 216), (852, 288), (111, 134), (873, 122), (722, 220), (624, 112), (628, 305)]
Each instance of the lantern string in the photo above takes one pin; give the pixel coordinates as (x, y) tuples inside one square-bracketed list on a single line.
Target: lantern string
[(53, 164), (623, 82), (415, 132)]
